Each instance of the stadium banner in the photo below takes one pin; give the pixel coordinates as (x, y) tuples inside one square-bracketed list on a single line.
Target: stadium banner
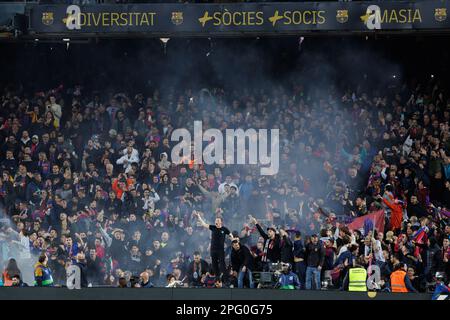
[(239, 18)]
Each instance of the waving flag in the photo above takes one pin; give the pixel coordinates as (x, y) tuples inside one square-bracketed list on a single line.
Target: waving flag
[(445, 213), (420, 237), (366, 223), (368, 226), (420, 234)]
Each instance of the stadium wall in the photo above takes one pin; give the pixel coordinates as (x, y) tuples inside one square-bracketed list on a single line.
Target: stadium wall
[(32, 293)]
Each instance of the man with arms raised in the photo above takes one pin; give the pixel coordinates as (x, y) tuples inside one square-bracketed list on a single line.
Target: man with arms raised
[(218, 234)]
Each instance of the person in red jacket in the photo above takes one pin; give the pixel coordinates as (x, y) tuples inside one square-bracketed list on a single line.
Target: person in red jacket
[(396, 207), (121, 184)]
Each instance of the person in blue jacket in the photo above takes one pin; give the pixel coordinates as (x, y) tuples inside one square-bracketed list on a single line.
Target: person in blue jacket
[(287, 279), (441, 288)]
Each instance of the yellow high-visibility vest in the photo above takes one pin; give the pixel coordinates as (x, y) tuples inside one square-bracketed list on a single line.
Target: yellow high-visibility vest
[(357, 279)]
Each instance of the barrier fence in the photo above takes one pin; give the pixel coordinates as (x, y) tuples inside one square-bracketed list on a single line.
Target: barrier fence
[(35, 293)]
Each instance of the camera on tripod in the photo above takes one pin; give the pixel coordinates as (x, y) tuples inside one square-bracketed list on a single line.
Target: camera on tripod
[(438, 277), (269, 278), (276, 267)]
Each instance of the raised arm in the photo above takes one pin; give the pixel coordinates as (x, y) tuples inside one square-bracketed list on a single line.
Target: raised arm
[(105, 235), (286, 238), (155, 197), (121, 160), (260, 230), (202, 222), (386, 202), (300, 209), (203, 190)]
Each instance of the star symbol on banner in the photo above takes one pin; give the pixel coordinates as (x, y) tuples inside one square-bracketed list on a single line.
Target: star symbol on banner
[(275, 18), (203, 20), (365, 17)]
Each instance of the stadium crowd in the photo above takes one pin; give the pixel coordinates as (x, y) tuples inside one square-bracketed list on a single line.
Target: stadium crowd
[(88, 179)]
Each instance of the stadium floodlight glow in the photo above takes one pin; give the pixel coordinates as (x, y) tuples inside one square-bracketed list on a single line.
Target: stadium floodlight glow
[(394, 76), (36, 40)]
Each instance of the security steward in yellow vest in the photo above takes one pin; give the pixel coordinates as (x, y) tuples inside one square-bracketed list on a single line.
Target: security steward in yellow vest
[(356, 279), (42, 273)]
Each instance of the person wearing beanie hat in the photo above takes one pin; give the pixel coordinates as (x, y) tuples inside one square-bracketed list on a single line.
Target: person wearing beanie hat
[(272, 244), (315, 258)]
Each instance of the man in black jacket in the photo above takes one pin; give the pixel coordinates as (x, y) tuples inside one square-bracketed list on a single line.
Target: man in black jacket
[(197, 268), (144, 280), (416, 209), (117, 249), (94, 272), (272, 249), (17, 282), (241, 263), (81, 263), (286, 246), (218, 236), (315, 256), (441, 259), (299, 258)]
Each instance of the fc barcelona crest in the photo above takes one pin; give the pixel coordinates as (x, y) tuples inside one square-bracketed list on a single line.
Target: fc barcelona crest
[(440, 14), (177, 18), (342, 16), (47, 18)]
